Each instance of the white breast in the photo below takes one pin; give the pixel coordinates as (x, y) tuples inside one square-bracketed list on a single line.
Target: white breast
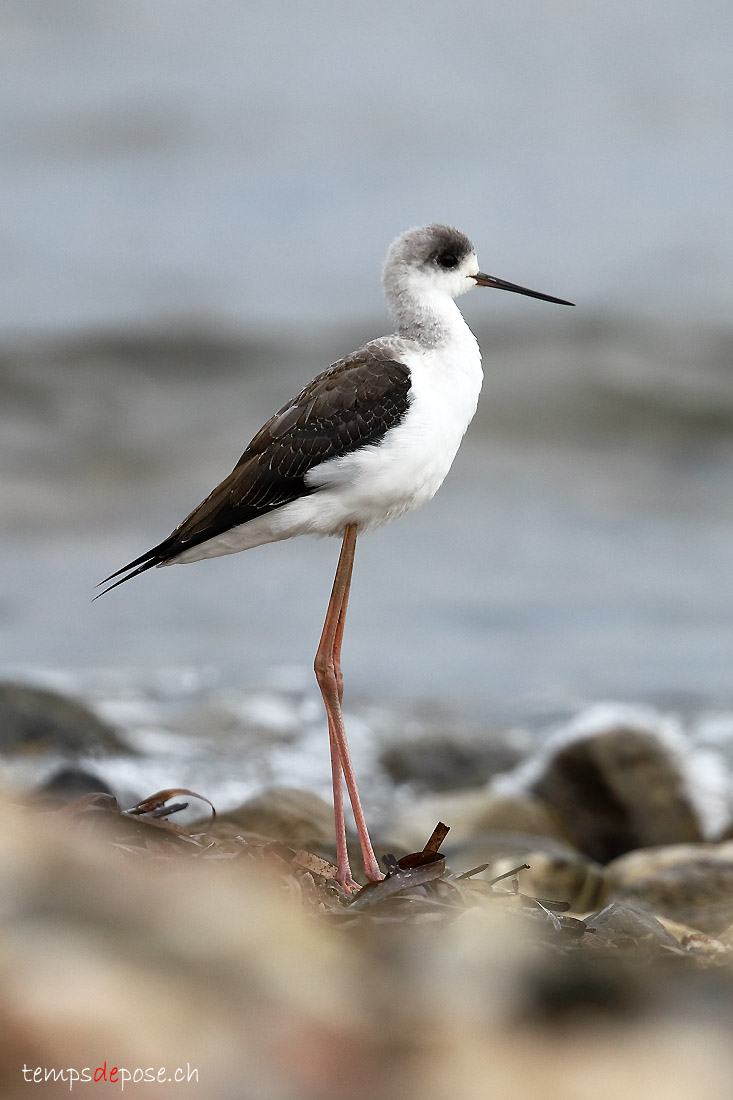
[(376, 484)]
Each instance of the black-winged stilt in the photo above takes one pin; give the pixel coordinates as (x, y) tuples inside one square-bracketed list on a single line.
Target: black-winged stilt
[(367, 440)]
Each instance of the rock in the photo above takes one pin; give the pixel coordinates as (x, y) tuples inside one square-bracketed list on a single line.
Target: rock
[(627, 926), (617, 780), (694, 942), (556, 871), (296, 817), (447, 762), (66, 784), (173, 956), (129, 941), (473, 813), (301, 819), (504, 830), (690, 883), (33, 720)]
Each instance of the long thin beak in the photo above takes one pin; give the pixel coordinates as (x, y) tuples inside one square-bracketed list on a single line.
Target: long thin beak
[(502, 284)]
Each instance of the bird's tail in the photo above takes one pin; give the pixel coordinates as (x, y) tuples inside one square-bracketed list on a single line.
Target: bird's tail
[(133, 569)]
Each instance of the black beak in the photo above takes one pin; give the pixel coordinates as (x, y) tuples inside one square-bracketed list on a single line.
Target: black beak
[(502, 284)]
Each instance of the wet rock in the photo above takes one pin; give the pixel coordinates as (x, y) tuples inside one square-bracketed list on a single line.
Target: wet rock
[(447, 762), (617, 780), (690, 883), (473, 813), (296, 817), (35, 721)]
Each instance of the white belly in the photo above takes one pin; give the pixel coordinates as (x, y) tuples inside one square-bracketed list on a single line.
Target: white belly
[(376, 484)]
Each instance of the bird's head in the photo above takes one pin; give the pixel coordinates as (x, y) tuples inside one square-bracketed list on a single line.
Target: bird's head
[(440, 260)]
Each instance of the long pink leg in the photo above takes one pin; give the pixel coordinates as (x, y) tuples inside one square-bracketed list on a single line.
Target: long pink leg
[(330, 681), (342, 853)]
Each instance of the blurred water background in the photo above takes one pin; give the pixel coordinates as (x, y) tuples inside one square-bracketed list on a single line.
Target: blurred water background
[(196, 202)]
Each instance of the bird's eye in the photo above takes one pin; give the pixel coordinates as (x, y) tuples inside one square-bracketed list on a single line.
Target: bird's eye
[(448, 259)]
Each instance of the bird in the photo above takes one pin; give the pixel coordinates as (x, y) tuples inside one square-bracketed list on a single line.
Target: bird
[(366, 441)]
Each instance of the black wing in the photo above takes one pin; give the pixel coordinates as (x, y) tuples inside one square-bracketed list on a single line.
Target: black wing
[(350, 405)]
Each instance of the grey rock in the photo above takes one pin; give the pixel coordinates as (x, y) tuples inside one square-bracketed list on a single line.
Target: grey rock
[(67, 784), (35, 721), (620, 788), (450, 761)]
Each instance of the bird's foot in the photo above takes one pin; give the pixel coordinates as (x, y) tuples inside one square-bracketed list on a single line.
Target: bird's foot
[(371, 870), (344, 879)]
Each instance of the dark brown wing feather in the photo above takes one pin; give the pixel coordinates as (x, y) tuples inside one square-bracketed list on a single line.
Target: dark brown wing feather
[(350, 405)]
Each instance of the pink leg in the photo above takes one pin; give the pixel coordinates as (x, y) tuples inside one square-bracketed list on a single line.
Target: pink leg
[(330, 681), (342, 854)]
